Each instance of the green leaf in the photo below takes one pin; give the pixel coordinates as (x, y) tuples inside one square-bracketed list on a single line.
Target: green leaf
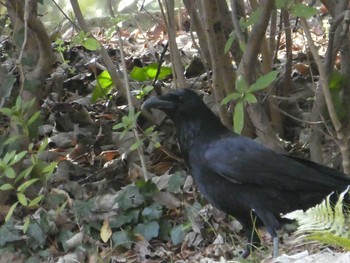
[(36, 201), (229, 42), (91, 44), (152, 212), (148, 230), (26, 224), (263, 82), (6, 187), (238, 117), (178, 234), (8, 156), (122, 238), (11, 140), (43, 145), (26, 184), (118, 126), (34, 117), (175, 182), (250, 98), (149, 72), (251, 20), (7, 111), (103, 86), (231, 97), (130, 197), (25, 173), (241, 84), (136, 145), (10, 212), (10, 173), (284, 4), (305, 11), (18, 157), (138, 74), (22, 199)]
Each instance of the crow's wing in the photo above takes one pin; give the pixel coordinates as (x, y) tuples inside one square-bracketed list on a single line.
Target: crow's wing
[(242, 160)]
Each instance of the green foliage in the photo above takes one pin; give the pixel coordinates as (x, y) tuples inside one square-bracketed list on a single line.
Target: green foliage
[(325, 222), (244, 94), (302, 10), (139, 214), (86, 41), (149, 72), (129, 123), (244, 24), (103, 86), (336, 85), (35, 172)]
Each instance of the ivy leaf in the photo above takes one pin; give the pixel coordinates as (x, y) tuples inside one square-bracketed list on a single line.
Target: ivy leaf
[(148, 230)]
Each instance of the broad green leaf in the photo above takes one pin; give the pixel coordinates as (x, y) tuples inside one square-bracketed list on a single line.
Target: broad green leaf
[(250, 98), (148, 230), (241, 84), (26, 184), (175, 182), (149, 72), (152, 69), (231, 97), (263, 82), (103, 86), (91, 44), (238, 117), (36, 201), (152, 212), (122, 238), (22, 199), (9, 172), (6, 187), (302, 10), (284, 4), (10, 212), (178, 234), (138, 74)]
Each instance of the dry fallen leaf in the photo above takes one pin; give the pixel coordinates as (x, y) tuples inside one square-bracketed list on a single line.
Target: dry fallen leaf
[(106, 231)]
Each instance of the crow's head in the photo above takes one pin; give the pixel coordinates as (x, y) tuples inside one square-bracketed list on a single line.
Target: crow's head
[(179, 105)]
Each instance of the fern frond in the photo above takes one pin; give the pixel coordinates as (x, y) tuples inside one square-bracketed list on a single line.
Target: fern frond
[(326, 222)]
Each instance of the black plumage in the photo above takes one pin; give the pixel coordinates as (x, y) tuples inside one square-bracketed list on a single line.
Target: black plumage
[(239, 175)]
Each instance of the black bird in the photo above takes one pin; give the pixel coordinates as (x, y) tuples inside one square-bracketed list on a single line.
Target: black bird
[(239, 175)]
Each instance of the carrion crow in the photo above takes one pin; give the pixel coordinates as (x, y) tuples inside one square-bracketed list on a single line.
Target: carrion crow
[(239, 175)]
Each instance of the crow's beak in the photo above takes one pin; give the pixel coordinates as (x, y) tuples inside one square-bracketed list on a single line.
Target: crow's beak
[(157, 103)]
